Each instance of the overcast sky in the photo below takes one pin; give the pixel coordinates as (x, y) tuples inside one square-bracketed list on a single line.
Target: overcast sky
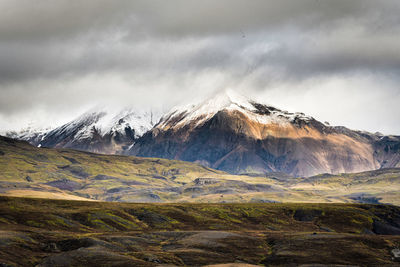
[(338, 61)]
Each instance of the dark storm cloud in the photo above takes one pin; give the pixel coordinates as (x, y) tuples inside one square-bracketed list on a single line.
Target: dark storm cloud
[(48, 19), (83, 52), (50, 38)]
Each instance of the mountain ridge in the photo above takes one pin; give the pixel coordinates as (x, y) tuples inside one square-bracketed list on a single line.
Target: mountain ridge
[(100, 130), (228, 132), (238, 135)]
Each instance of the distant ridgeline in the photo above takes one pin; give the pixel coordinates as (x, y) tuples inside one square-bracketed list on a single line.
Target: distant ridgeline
[(227, 132)]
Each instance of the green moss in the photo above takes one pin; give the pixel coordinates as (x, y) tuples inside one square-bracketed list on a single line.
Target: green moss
[(106, 220), (35, 224)]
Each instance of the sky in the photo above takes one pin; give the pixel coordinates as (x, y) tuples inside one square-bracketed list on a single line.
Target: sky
[(338, 61)]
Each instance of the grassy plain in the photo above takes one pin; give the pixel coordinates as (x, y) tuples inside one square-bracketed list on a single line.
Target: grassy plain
[(77, 233)]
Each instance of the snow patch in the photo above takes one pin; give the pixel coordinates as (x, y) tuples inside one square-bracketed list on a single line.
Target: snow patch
[(230, 101), (106, 121), (100, 120)]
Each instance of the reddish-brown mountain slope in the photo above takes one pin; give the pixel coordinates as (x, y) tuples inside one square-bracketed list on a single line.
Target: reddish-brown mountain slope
[(231, 133)]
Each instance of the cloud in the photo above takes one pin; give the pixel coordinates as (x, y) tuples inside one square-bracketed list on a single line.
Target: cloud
[(61, 18), (61, 56)]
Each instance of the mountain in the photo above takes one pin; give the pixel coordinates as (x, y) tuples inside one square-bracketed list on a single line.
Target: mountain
[(30, 134), (227, 132), (233, 133), (101, 130)]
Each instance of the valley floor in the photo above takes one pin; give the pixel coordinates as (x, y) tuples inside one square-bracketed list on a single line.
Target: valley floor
[(42, 232)]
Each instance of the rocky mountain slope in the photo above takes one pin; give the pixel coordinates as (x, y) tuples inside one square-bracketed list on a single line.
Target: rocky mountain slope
[(30, 134), (232, 133), (101, 130), (226, 132)]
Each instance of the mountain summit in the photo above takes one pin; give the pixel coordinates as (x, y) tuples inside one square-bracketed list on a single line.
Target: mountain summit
[(100, 130), (228, 132), (235, 134), (227, 101)]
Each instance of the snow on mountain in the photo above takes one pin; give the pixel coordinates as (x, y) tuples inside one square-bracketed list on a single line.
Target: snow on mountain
[(31, 134), (101, 129), (232, 133), (230, 101), (108, 121), (124, 125), (227, 132)]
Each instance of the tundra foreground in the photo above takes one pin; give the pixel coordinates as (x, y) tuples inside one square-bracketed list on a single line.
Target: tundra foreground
[(42, 232)]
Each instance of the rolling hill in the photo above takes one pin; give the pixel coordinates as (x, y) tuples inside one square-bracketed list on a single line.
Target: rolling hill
[(30, 171), (74, 233)]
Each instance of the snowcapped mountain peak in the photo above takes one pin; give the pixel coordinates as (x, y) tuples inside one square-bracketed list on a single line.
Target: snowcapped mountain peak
[(108, 121), (31, 134), (227, 100), (101, 129), (224, 100)]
